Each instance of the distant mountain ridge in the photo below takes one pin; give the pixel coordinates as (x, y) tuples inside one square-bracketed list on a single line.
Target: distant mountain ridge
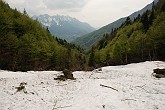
[(90, 39), (64, 27)]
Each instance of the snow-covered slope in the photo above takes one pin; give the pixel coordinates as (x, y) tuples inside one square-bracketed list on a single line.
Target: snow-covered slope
[(135, 89), (64, 27), (47, 20)]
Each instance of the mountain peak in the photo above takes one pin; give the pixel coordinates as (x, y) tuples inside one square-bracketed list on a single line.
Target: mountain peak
[(65, 27)]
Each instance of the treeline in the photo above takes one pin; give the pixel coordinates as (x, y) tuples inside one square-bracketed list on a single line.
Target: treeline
[(134, 41), (26, 45), (70, 45)]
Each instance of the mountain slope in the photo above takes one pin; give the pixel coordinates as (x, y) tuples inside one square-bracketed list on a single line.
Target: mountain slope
[(26, 45), (90, 39), (140, 40), (64, 27)]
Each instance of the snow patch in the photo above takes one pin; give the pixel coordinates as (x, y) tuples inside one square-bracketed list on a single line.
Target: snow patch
[(136, 89)]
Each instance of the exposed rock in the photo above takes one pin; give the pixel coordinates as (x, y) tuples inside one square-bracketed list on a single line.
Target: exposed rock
[(159, 73), (67, 75)]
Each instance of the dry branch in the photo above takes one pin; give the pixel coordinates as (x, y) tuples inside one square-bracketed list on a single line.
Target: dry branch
[(62, 85), (128, 99), (55, 103), (62, 107), (108, 87), (91, 75)]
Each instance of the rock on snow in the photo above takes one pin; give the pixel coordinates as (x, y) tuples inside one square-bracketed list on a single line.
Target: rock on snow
[(137, 89)]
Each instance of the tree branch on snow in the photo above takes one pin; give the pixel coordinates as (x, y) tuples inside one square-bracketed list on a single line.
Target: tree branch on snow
[(21, 88), (91, 74), (55, 103), (157, 92), (62, 107), (108, 87), (141, 86), (62, 85), (128, 99)]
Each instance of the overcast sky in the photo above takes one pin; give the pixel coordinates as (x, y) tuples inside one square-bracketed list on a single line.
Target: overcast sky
[(95, 12)]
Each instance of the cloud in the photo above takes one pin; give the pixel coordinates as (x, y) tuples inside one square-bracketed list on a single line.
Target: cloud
[(102, 12), (70, 5), (52, 7), (96, 12)]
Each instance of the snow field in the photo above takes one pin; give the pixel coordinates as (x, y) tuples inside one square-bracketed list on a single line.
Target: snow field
[(136, 89)]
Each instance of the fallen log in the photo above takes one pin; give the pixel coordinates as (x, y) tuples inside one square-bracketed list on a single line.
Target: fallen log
[(108, 87), (159, 71)]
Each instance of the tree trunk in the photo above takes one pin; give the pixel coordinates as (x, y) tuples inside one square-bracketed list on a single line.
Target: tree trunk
[(142, 50), (149, 54), (126, 57)]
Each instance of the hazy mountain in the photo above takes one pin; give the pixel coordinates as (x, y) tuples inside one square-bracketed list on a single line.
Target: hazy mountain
[(90, 39), (64, 27)]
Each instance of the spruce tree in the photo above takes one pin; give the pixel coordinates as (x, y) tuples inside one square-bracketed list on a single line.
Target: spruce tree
[(145, 21), (128, 21), (151, 18), (24, 12), (163, 7)]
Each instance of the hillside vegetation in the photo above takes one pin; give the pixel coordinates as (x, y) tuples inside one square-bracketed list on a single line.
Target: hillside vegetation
[(26, 45), (88, 40), (138, 40)]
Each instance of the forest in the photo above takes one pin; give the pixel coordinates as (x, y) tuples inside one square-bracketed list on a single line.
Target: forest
[(142, 39), (26, 45)]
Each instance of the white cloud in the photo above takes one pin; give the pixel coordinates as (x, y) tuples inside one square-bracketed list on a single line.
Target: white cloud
[(96, 12), (65, 4), (103, 12)]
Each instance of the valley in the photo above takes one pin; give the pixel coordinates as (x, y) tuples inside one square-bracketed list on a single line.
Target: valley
[(57, 62)]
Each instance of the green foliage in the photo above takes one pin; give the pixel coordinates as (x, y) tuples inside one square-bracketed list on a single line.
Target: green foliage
[(145, 21), (91, 62), (156, 36), (26, 45), (151, 18), (128, 21), (141, 40)]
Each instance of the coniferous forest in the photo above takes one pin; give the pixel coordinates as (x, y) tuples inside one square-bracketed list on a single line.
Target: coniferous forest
[(26, 45)]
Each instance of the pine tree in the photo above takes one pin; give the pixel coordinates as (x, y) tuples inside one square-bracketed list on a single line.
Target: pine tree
[(152, 16), (128, 21), (137, 18), (47, 29), (163, 7), (145, 21), (24, 12)]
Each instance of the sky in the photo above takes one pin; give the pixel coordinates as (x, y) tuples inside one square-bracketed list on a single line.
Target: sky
[(97, 13)]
